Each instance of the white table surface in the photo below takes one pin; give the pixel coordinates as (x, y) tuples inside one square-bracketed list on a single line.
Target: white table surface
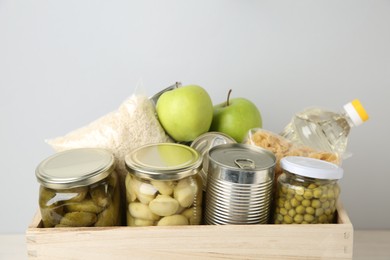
[(368, 244)]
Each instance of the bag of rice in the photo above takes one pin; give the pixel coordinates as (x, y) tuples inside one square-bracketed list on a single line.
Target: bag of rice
[(132, 125)]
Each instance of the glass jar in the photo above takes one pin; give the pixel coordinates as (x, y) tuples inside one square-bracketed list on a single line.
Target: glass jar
[(79, 188), (163, 187), (307, 191)]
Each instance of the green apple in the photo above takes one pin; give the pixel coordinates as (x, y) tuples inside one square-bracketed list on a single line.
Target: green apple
[(185, 112), (235, 117)]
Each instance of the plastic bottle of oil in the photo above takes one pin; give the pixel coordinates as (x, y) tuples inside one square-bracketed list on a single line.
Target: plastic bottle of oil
[(325, 130)]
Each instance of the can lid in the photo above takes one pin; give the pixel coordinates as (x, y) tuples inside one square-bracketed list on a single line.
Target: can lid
[(164, 161), (75, 168), (204, 142), (242, 156), (311, 167)]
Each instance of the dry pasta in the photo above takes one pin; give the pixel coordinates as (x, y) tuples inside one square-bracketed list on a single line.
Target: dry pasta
[(281, 147)]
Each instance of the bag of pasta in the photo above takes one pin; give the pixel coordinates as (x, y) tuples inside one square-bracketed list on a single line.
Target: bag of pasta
[(282, 147)]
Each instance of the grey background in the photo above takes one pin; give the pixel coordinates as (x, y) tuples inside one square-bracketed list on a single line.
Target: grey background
[(63, 64)]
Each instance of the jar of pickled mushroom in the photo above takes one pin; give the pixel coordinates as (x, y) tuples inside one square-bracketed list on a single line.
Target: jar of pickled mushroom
[(79, 188), (163, 185), (307, 191)]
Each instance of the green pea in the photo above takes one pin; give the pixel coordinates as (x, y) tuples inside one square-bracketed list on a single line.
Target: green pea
[(287, 219), (287, 205), (289, 196), (326, 204), (312, 186), (308, 194), (294, 202), (281, 202), (298, 197), (306, 203), (316, 204), (322, 219), (298, 218), (290, 191), (331, 194), (319, 212), (310, 210), (328, 212), (292, 213), (324, 197), (299, 190), (283, 211), (300, 209), (279, 217), (309, 218), (317, 193)]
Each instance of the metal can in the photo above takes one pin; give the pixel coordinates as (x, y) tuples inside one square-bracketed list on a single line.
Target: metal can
[(204, 143), (163, 186), (79, 188), (240, 181)]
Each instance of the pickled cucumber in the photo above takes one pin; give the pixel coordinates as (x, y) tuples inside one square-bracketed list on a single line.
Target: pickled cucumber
[(51, 216), (83, 206), (111, 215), (86, 205), (100, 195), (79, 219), (75, 194)]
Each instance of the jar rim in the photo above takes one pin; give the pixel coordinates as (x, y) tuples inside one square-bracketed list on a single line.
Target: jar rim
[(311, 167), (164, 161), (75, 168)]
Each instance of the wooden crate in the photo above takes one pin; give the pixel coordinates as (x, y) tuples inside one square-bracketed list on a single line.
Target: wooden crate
[(326, 241)]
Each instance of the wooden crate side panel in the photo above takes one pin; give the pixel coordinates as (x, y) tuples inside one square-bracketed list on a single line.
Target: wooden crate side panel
[(328, 241), (202, 242)]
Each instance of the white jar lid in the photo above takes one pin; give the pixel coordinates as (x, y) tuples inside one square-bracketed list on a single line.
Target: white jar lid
[(310, 167)]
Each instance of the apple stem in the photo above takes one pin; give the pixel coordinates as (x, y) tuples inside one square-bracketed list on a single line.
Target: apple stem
[(228, 97)]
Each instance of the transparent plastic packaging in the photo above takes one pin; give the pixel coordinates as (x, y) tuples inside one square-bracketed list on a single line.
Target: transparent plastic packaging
[(307, 192), (283, 147), (325, 130)]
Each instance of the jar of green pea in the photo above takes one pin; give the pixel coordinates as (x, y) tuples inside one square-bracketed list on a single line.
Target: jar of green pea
[(307, 191)]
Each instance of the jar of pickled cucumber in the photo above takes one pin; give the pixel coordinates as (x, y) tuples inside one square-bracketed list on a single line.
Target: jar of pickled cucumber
[(163, 185), (79, 188), (307, 191)]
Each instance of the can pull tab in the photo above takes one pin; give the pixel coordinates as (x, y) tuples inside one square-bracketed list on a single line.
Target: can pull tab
[(245, 164)]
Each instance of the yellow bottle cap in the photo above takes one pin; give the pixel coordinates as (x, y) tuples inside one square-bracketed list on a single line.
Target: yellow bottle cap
[(360, 109), (356, 112)]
